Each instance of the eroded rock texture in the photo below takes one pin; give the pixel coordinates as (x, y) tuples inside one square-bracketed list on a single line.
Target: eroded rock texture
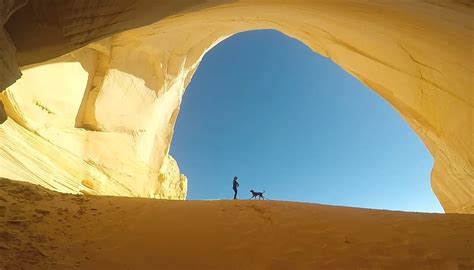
[(85, 139), (112, 104)]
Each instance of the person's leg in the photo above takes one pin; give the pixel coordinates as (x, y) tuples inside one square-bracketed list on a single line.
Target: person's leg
[(235, 193)]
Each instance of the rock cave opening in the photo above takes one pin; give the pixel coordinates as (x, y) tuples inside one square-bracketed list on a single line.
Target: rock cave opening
[(136, 65), (90, 97)]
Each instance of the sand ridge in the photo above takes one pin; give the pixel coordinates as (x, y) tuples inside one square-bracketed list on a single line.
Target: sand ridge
[(42, 229)]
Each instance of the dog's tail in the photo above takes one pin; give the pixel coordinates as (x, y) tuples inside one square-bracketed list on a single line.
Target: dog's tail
[(263, 192)]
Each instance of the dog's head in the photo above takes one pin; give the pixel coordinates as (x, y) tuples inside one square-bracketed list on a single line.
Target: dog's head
[(251, 191)]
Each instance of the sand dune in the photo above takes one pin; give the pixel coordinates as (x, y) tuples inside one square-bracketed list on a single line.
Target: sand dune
[(42, 229)]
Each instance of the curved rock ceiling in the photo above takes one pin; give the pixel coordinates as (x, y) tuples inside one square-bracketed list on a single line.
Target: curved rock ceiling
[(98, 115)]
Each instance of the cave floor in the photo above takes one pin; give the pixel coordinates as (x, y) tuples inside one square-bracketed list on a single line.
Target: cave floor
[(43, 229)]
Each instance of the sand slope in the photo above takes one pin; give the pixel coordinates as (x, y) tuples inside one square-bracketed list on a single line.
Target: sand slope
[(42, 229)]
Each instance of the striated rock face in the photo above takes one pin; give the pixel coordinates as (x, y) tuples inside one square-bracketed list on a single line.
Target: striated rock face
[(100, 118), (76, 142)]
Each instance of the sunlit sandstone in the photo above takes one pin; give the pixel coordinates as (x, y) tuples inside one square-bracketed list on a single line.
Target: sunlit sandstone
[(99, 119)]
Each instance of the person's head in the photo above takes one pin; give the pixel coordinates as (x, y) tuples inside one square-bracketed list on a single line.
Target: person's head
[(235, 177)]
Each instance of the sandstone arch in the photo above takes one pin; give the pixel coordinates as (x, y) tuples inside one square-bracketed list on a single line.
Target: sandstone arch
[(416, 55)]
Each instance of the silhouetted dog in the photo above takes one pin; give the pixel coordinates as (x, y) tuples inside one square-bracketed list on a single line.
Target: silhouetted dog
[(255, 194)]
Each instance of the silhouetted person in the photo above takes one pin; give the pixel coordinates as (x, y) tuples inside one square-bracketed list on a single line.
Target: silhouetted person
[(235, 185)]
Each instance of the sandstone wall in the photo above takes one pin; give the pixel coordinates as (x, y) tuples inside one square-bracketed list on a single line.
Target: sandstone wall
[(71, 143), (415, 54)]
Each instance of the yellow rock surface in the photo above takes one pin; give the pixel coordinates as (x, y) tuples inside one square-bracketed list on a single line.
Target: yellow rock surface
[(60, 140), (112, 105)]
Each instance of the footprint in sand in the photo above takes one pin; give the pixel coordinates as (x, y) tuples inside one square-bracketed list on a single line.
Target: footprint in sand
[(42, 211), (61, 211), (81, 211), (261, 212)]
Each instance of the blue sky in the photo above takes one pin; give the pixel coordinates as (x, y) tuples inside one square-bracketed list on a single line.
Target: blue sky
[(264, 107)]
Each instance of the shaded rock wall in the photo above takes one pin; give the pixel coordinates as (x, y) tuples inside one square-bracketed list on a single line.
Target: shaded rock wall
[(9, 71), (417, 55)]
